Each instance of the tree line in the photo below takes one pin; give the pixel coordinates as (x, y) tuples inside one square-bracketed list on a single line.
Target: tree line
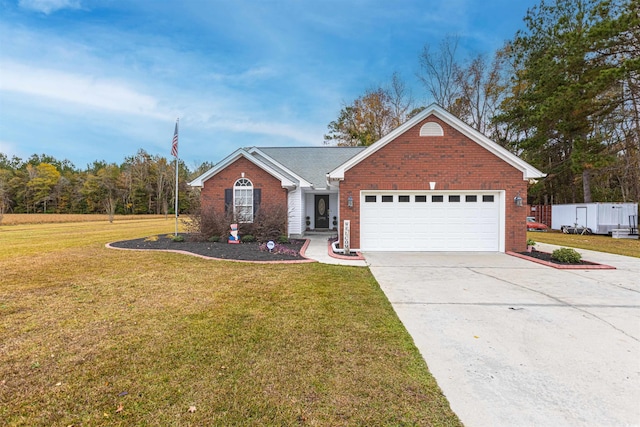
[(142, 184), (563, 94)]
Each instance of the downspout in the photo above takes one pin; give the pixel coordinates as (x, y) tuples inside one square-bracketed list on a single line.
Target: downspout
[(336, 249)]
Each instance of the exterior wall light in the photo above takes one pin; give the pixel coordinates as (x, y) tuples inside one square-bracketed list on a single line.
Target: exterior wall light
[(350, 201), (517, 200)]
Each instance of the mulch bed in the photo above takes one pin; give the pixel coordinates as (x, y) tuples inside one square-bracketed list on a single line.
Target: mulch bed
[(545, 259), (545, 256), (236, 252)]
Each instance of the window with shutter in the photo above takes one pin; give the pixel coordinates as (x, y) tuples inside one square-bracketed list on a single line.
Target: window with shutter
[(257, 199), (228, 200), (243, 200)]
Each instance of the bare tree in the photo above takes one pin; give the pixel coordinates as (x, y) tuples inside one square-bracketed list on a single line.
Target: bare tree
[(400, 99), (481, 89), (438, 72)]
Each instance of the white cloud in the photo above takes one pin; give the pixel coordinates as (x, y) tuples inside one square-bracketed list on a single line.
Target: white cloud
[(88, 91), (248, 76), (121, 98), (49, 6), (9, 149), (281, 130)]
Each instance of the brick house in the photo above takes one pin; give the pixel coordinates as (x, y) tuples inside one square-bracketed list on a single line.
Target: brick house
[(432, 184)]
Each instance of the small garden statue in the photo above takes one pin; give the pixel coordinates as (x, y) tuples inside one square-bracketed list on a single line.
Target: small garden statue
[(233, 235)]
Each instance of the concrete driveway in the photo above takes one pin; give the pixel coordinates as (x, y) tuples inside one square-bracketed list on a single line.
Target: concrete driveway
[(514, 343)]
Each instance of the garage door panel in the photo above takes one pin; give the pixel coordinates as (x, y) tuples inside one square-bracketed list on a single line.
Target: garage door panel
[(446, 225)]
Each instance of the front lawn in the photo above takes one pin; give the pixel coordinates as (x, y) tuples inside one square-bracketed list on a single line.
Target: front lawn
[(592, 242), (94, 336)]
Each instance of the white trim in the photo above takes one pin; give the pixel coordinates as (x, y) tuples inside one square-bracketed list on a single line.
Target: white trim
[(199, 181), (294, 207), (528, 171), (246, 204), (503, 219), (309, 206)]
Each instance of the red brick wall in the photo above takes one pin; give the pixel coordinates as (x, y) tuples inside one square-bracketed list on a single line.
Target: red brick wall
[(453, 161), (213, 190)]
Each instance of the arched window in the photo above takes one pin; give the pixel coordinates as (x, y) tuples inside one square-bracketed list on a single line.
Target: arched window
[(243, 200)]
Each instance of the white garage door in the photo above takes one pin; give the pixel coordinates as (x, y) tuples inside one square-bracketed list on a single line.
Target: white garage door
[(453, 221)]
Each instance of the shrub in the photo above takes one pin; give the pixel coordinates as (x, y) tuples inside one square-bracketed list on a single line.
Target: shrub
[(282, 239), (178, 238), (567, 255), (248, 238), (531, 242), (209, 224), (269, 223)]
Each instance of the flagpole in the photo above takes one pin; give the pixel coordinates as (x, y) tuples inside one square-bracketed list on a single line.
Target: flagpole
[(176, 208), (175, 138)]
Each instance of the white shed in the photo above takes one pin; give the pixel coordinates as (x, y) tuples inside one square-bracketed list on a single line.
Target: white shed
[(601, 218)]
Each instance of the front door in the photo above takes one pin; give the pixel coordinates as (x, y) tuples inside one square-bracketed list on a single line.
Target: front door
[(322, 211)]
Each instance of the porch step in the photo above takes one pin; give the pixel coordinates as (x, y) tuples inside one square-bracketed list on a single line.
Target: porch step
[(321, 231)]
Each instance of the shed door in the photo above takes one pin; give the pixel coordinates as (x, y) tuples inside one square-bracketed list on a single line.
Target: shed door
[(581, 216)]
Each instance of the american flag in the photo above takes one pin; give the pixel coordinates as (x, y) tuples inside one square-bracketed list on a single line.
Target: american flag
[(174, 143)]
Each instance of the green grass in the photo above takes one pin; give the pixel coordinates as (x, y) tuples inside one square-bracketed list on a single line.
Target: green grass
[(592, 242), (85, 330)]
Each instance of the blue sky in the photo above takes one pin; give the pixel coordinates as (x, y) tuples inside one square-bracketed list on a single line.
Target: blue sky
[(89, 80)]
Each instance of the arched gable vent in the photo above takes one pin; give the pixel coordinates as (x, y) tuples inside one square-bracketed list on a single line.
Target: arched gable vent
[(431, 129)]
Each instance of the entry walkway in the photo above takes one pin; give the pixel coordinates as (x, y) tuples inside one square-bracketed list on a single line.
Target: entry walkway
[(318, 249)]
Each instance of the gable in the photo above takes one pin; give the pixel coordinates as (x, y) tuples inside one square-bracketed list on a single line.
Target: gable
[(294, 166), (433, 123), (411, 161), (285, 179), (310, 163), (217, 192), (243, 168)]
